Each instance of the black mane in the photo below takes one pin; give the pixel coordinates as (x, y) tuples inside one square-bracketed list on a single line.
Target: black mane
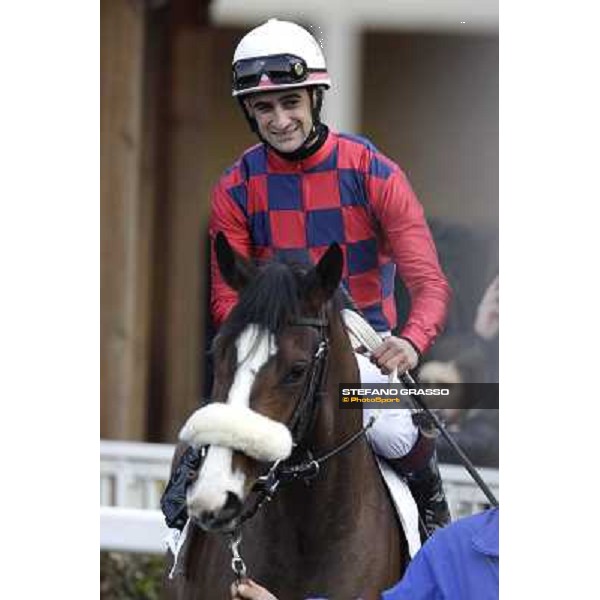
[(272, 300)]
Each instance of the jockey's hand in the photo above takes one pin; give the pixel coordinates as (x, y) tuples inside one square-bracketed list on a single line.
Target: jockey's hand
[(393, 353), (487, 320), (249, 590)]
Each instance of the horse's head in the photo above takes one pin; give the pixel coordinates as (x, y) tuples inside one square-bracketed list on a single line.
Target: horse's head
[(264, 362)]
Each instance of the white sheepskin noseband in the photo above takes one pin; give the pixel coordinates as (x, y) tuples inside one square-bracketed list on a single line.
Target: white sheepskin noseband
[(240, 428)]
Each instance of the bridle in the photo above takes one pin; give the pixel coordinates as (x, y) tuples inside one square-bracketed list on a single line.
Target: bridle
[(301, 464), (303, 417)]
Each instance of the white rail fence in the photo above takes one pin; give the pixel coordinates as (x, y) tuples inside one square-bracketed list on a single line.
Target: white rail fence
[(133, 477)]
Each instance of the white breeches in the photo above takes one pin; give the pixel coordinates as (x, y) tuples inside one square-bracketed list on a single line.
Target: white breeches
[(393, 434)]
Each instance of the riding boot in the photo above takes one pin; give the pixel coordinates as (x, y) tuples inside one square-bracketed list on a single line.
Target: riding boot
[(427, 490), (420, 471)]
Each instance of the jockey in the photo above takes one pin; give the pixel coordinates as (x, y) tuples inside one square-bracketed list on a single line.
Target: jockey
[(304, 186)]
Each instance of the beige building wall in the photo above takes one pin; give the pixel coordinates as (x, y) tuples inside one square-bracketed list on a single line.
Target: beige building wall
[(227, 133), (430, 102)]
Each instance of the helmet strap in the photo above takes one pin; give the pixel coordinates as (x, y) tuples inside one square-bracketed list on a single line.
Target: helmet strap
[(314, 140), (317, 103), (251, 120)]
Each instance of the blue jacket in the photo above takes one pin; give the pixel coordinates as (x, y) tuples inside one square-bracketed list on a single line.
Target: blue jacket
[(459, 562)]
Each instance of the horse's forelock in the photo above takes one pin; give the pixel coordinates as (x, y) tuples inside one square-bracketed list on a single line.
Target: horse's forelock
[(270, 301)]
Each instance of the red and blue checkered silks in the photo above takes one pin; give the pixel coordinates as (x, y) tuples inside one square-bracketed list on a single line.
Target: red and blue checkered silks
[(346, 192)]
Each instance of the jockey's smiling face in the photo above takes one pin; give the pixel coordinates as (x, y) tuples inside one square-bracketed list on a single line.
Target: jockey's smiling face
[(284, 118)]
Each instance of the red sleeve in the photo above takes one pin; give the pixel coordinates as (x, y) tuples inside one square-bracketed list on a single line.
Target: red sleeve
[(403, 223), (228, 217)]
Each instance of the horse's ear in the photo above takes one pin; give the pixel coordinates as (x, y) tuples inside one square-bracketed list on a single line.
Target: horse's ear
[(323, 280), (236, 270)]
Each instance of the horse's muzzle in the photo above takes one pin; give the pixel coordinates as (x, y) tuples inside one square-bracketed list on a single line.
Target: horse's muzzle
[(225, 518)]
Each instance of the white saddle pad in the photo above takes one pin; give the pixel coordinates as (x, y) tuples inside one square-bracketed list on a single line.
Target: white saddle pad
[(404, 504)]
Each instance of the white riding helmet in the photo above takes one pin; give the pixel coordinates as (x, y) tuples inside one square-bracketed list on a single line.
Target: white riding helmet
[(278, 55)]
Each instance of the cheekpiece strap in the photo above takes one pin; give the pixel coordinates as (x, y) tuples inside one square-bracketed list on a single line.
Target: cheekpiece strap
[(310, 322)]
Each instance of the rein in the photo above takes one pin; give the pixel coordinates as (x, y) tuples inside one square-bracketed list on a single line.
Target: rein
[(423, 415), (278, 474)]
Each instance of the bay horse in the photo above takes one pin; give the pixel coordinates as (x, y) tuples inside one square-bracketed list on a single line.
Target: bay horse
[(335, 535)]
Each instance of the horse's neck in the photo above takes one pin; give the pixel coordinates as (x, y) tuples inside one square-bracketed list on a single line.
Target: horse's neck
[(342, 518), (334, 423), (353, 470)]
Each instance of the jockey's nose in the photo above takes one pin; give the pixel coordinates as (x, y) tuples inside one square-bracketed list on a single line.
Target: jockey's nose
[(281, 119)]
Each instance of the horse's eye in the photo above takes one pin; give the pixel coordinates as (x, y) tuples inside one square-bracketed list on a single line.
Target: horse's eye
[(295, 374)]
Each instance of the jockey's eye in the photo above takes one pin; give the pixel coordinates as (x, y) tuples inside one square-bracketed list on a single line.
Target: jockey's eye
[(295, 374)]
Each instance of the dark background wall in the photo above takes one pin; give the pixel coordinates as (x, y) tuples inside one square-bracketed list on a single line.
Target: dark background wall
[(431, 102)]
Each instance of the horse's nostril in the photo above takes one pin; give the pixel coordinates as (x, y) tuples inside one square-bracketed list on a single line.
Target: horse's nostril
[(211, 520), (232, 507)]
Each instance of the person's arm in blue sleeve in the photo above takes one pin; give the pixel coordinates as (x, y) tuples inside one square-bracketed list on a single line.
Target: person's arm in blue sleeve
[(418, 583)]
